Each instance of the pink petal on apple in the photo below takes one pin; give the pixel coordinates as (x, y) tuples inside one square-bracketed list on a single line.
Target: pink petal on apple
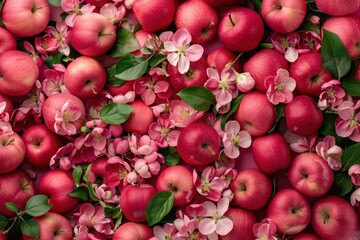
[(232, 127), (224, 226), (291, 54), (244, 139), (343, 128), (223, 206), (183, 64), (207, 226), (181, 37), (194, 52)]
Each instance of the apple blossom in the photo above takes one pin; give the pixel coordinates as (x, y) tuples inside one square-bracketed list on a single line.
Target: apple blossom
[(82, 153), (112, 12), (116, 172), (348, 122), (299, 143), (354, 173), (233, 139), (181, 114), (62, 158), (75, 8), (286, 43), (5, 126), (166, 232), (150, 88), (64, 119), (54, 80), (31, 51), (355, 198), (280, 87), (309, 42), (208, 184), (244, 81), (266, 230), (146, 167), (97, 138), (330, 152), (163, 132), (333, 95), (107, 194)]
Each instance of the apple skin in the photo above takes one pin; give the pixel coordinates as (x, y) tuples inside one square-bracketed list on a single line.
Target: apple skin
[(7, 41), (140, 118), (56, 184), (302, 115), (283, 16), (15, 187), (243, 221), (40, 144), (309, 74), (198, 144), (12, 151), (53, 226), (154, 15), (93, 34), (348, 29), (306, 236), (9, 105), (132, 205), (221, 3), (85, 77), (334, 218), (241, 29), (290, 211), (252, 189), (12, 81), (272, 59), (199, 18), (271, 153), (178, 180), (26, 18), (121, 89), (133, 231), (256, 114), (220, 57), (338, 7), (310, 175), (97, 3), (195, 76)]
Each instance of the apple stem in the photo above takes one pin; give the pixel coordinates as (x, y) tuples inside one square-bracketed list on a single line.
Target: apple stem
[(231, 63), (8, 142), (206, 147), (211, 25), (231, 20)]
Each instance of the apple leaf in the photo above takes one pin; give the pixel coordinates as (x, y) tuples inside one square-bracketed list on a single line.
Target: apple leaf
[(159, 206), (37, 205), (171, 156), (115, 113), (55, 3), (11, 207), (77, 173), (351, 156), (54, 59), (328, 126), (335, 57), (80, 192), (351, 86), (110, 77), (156, 60), (125, 43), (257, 5), (91, 191), (198, 97), (131, 67), (342, 184), (3, 221), (30, 228), (234, 106), (279, 114)]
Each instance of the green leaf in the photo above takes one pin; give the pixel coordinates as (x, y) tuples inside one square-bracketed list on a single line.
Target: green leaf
[(257, 5), (156, 60), (198, 97), (55, 3), (111, 79), (3, 221), (335, 57), (11, 207), (80, 192), (328, 126), (115, 113), (87, 173), (172, 157), (234, 106), (351, 86), (125, 43), (130, 67), (54, 59), (351, 156), (30, 227), (279, 114), (342, 184), (37, 205), (91, 191), (77, 173), (159, 206)]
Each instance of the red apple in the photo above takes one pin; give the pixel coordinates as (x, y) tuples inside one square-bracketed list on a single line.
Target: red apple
[(9, 105), (93, 34), (26, 18), (283, 16), (41, 144), (338, 7), (121, 89), (199, 18), (16, 187), (140, 118), (241, 29), (221, 3), (306, 236), (198, 144), (134, 200), (57, 184), (178, 180), (243, 221), (334, 218), (290, 211), (97, 3), (220, 57), (154, 15), (12, 151), (252, 189), (13, 81), (7, 41), (133, 231), (256, 114), (302, 115)]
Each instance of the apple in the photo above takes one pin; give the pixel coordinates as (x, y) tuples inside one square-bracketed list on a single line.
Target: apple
[(252, 189), (221, 3), (140, 118), (154, 15), (121, 89), (310, 175), (178, 180), (9, 107), (334, 218), (306, 236), (18, 73), (348, 30), (290, 211), (40, 144), (143, 36), (199, 18), (243, 222), (133, 231), (198, 144), (7, 41), (271, 153), (338, 7), (241, 29), (256, 114), (309, 74), (12, 151), (16, 187), (97, 3), (85, 77), (283, 16), (52, 226), (134, 200), (57, 184), (195, 76), (220, 57), (302, 115), (272, 59), (92, 34), (26, 18)]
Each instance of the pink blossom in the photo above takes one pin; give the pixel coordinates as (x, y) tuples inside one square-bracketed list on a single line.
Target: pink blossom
[(30, 49), (106, 193), (299, 143), (266, 230), (187, 227), (160, 109), (332, 94), (315, 20), (355, 198), (54, 80), (97, 138), (330, 152), (149, 88), (180, 51), (35, 99), (112, 12), (309, 42), (82, 233), (75, 8), (286, 43), (244, 82), (82, 153), (142, 144), (116, 172), (61, 34), (163, 132), (65, 118), (354, 173), (46, 44), (146, 168), (181, 114), (209, 185), (62, 157), (166, 232), (224, 161), (280, 87), (233, 139), (348, 122), (5, 126), (123, 98), (121, 145)]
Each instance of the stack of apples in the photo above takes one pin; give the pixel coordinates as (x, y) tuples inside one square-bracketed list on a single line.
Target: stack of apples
[(179, 119)]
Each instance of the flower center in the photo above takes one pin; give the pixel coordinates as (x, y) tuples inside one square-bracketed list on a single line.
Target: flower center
[(206, 187), (66, 116), (330, 93), (185, 114), (164, 131), (354, 123), (279, 87)]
